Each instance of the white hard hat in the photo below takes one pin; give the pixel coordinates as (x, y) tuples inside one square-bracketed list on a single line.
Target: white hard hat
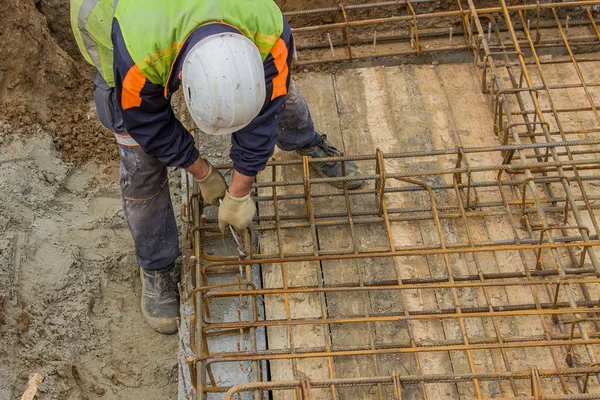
[(223, 81)]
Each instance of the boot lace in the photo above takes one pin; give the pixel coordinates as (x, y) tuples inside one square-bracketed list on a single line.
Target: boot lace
[(327, 147), (167, 283)]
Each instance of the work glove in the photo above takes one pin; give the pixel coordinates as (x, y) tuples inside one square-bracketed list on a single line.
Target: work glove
[(236, 211), (212, 186)]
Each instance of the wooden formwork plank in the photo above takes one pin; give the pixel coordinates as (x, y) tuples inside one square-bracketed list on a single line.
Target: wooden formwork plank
[(414, 133), (296, 274), (393, 122), (300, 306), (363, 119), (442, 122), (472, 125), (320, 95)]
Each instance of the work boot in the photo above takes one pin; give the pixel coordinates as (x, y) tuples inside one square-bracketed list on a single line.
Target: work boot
[(322, 148), (160, 298)]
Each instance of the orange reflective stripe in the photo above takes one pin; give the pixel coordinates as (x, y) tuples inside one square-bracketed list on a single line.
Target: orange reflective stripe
[(151, 197), (125, 140), (280, 54), (132, 86)]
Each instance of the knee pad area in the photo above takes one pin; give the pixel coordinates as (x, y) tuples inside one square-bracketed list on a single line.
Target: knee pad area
[(142, 177)]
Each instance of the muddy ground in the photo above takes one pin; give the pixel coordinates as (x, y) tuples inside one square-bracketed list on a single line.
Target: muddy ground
[(69, 286), (69, 282)]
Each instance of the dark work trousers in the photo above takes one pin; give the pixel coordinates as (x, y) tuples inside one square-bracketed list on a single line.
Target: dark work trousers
[(296, 128), (144, 189), (144, 185)]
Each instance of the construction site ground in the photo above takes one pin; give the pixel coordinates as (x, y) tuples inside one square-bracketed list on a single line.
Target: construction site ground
[(69, 283)]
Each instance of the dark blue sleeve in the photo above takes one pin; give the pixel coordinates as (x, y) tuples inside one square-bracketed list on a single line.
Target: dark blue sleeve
[(252, 146), (151, 122)]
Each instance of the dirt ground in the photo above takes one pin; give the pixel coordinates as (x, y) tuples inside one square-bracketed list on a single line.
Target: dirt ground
[(69, 286), (44, 81), (69, 283)]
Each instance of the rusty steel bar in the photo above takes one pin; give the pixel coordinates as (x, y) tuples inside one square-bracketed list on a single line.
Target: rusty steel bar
[(349, 7), (406, 286), (419, 343), (413, 379), (438, 34), (441, 314), (444, 14), (340, 255), (429, 349), (433, 152)]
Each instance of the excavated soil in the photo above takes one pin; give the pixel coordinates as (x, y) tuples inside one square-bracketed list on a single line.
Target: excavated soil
[(69, 285), (44, 81)]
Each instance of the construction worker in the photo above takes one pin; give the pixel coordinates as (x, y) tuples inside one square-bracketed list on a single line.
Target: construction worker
[(232, 59)]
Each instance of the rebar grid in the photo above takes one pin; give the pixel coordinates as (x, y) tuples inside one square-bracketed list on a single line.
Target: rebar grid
[(540, 196), (551, 281), (415, 27)]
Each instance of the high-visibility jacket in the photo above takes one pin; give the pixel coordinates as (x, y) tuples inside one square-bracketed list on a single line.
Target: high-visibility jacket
[(151, 38), (91, 22), (155, 30)]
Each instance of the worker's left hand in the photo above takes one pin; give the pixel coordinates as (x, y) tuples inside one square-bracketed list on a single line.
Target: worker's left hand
[(236, 211), (212, 186)]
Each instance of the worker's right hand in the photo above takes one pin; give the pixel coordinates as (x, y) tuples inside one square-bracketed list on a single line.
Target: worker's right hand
[(212, 186), (236, 211)]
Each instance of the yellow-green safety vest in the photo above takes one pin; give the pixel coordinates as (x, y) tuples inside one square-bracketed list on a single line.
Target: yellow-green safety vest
[(155, 30), (91, 22)]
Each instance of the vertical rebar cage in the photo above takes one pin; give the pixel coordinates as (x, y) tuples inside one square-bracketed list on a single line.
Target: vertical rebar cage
[(478, 279)]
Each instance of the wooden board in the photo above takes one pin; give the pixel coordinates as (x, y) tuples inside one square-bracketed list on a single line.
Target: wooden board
[(367, 124), (294, 274)]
